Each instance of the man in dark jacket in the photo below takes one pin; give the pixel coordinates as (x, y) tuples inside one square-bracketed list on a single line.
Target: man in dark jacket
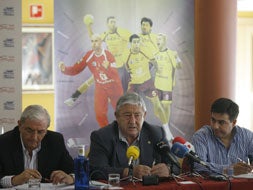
[(109, 144), (31, 151)]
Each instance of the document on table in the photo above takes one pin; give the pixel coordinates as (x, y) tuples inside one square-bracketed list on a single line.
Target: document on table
[(246, 176), (50, 186), (46, 186)]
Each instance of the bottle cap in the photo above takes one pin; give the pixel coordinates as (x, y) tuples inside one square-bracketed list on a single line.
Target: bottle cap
[(81, 150)]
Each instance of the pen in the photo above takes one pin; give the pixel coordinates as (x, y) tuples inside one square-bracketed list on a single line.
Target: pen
[(243, 161), (240, 159)]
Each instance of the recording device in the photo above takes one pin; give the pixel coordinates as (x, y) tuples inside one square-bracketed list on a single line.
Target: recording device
[(164, 149), (182, 151), (150, 180), (133, 153)]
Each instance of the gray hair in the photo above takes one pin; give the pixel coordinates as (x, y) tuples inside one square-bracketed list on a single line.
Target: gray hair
[(131, 98), (35, 113)]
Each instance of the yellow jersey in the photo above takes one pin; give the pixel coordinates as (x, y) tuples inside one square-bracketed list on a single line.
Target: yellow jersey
[(117, 43), (166, 65), (149, 43), (137, 64)]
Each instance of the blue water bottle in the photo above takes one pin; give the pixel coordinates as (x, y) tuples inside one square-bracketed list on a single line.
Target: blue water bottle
[(81, 166)]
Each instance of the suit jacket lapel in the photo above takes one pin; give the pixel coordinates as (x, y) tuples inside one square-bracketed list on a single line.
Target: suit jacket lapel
[(121, 148), (43, 157), (18, 153), (146, 147), (18, 159)]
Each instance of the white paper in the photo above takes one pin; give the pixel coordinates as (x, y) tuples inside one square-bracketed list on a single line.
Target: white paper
[(46, 186), (247, 176), (186, 182)]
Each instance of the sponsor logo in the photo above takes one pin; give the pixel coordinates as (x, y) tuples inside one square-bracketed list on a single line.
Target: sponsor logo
[(7, 58), (94, 64), (36, 11), (8, 11), (5, 120), (9, 42), (9, 105), (7, 27), (8, 74), (154, 93), (4, 89)]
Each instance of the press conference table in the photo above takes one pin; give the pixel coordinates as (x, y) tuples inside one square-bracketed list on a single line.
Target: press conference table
[(200, 184)]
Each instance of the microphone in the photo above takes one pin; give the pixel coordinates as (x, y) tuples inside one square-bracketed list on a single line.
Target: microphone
[(191, 148), (181, 140), (164, 149), (182, 151), (132, 153)]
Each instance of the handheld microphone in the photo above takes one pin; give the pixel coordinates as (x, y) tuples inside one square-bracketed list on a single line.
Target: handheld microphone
[(132, 153), (164, 149), (182, 151)]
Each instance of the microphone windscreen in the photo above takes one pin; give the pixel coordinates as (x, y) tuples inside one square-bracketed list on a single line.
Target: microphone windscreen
[(133, 151), (189, 146), (179, 140), (179, 150)]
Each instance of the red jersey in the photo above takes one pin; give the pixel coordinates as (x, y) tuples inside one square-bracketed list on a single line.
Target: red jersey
[(95, 63)]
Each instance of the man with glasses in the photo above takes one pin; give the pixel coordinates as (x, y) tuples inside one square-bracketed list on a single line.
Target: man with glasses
[(31, 151), (109, 144), (224, 144)]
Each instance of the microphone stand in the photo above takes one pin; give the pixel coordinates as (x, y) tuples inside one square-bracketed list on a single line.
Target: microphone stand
[(194, 173), (191, 171), (130, 176)]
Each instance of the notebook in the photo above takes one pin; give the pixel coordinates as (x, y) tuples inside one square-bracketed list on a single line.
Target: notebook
[(246, 176)]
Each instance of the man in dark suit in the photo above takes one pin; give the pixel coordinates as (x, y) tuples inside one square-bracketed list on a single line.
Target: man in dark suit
[(109, 144), (31, 151)]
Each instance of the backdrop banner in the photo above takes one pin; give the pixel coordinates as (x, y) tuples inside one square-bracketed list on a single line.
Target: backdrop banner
[(85, 95), (10, 64)]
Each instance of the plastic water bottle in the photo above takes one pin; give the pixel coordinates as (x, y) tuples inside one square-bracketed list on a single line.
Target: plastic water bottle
[(81, 164)]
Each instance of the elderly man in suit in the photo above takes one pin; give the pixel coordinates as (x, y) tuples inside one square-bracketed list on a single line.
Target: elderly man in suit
[(109, 144), (31, 151)]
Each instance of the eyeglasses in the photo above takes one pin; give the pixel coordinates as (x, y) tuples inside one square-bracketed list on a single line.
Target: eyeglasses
[(30, 131), (220, 122), (128, 116)]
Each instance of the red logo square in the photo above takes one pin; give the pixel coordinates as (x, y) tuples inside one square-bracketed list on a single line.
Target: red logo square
[(36, 11)]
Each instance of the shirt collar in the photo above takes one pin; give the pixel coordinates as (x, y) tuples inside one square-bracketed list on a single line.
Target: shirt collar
[(122, 138), (25, 151)]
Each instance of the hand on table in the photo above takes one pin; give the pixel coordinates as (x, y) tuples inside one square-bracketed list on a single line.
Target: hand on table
[(161, 169), (141, 170), (59, 176), (25, 176), (242, 168)]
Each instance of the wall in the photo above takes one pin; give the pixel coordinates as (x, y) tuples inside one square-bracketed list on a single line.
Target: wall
[(244, 69), (45, 99)]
